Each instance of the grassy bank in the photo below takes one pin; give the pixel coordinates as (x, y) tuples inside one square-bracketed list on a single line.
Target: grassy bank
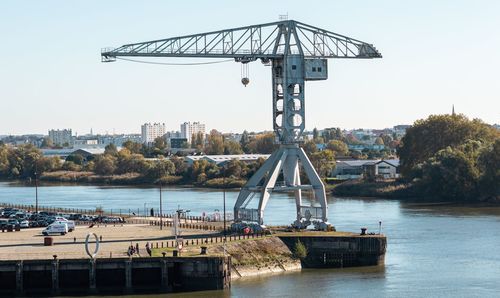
[(136, 179), (250, 257), (358, 188)]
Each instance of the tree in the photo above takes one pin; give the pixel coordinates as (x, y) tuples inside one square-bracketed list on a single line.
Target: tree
[(323, 162), (352, 140), (315, 135), (179, 166), (76, 158), (338, 147), (104, 165), (234, 168), (203, 170), (110, 149), (47, 143), (133, 147), (163, 167), (333, 134), (215, 143), (4, 161), (71, 166), (309, 147), (451, 174), (160, 143), (262, 144), (232, 147), (428, 136), (200, 139), (489, 166), (387, 139), (379, 141), (244, 141)]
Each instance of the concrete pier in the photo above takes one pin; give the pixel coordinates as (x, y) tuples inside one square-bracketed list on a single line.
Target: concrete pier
[(338, 251), (113, 276)]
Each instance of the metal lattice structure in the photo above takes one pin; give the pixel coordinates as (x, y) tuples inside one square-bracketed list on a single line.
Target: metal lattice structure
[(297, 52)]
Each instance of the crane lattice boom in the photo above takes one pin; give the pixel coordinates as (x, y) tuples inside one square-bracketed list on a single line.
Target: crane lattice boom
[(265, 41)]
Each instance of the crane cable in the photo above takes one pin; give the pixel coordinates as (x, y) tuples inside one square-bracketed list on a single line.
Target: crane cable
[(164, 63)]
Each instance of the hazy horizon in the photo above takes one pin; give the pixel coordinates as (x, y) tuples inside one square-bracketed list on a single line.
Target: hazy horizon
[(435, 54)]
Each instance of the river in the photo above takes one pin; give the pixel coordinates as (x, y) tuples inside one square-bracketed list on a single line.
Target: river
[(433, 251)]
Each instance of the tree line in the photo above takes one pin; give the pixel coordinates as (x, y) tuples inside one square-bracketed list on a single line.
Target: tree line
[(452, 158)]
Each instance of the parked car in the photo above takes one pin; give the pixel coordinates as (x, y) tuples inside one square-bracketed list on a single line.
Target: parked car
[(56, 228), (24, 224)]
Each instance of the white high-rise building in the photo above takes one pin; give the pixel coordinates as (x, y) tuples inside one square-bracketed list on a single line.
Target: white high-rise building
[(149, 132), (61, 137), (188, 129)]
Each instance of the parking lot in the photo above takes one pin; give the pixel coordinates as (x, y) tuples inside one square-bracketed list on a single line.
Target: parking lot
[(12, 218)]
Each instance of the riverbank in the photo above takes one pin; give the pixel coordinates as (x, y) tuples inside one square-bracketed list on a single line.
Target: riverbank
[(396, 191), (136, 179)]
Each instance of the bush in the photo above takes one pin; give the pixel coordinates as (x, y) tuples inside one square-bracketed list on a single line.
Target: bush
[(300, 250)]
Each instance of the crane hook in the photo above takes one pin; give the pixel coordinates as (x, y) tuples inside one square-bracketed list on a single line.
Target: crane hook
[(244, 74)]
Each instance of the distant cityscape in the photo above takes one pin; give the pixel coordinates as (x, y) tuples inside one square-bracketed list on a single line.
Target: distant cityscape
[(366, 138), (65, 138)]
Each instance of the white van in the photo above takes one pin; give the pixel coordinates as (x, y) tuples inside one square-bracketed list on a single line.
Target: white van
[(56, 228), (70, 223)]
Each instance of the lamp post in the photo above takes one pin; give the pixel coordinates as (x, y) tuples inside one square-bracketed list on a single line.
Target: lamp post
[(224, 198), (161, 210), (36, 189)]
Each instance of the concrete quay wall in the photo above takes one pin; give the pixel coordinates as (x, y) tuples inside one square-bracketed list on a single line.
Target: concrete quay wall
[(114, 276), (340, 251)]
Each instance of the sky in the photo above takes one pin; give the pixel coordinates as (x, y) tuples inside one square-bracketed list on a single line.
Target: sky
[(435, 54)]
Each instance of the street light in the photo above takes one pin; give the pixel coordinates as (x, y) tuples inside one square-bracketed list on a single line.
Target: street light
[(224, 198), (36, 189), (161, 210)]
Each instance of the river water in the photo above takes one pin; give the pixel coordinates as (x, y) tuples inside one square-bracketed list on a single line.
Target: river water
[(433, 251)]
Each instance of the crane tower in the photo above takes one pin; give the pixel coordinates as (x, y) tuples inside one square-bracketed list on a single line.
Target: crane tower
[(297, 52)]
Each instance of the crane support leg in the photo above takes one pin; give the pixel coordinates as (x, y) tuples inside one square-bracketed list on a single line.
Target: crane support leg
[(286, 160)]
